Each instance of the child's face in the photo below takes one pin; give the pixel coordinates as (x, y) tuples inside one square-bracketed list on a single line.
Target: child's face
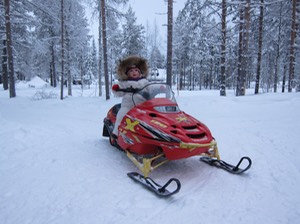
[(134, 73)]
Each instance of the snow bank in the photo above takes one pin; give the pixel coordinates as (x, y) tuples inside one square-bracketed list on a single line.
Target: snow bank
[(36, 82)]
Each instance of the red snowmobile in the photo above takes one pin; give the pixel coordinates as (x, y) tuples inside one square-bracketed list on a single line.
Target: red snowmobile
[(156, 131)]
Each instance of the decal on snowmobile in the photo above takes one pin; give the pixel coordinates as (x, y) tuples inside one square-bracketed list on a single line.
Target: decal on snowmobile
[(159, 123), (136, 138), (192, 146), (131, 124), (126, 138), (141, 111), (180, 119)]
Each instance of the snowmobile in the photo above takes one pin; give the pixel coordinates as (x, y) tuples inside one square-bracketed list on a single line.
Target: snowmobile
[(156, 131)]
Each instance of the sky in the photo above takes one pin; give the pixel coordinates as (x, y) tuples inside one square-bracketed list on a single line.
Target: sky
[(151, 12), (155, 11)]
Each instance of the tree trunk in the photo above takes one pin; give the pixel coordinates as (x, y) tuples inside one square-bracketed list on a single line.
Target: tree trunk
[(292, 49), (297, 26), (277, 51), (260, 36), (243, 52), (4, 67), (223, 51), (12, 90), (211, 68), (169, 42), (240, 53), (104, 42), (68, 63), (62, 52), (283, 79), (100, 53), (53, 76)]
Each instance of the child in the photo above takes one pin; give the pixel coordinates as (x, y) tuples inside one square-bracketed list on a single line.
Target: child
[(132, 72)]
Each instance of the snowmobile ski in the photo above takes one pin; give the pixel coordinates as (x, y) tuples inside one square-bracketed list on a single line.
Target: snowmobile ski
[(226, 166), (150, 184)]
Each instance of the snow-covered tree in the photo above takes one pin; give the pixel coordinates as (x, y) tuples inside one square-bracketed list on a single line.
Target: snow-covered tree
[(152, 41), (9, 46), (258, 44), (113, 36), (197, 46), (133, 38)]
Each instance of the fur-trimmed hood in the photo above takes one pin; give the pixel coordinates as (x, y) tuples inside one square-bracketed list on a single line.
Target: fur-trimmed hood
[(132, 61)]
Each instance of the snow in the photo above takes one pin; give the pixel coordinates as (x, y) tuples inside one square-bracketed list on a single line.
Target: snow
[(33, 83), (56, 168)]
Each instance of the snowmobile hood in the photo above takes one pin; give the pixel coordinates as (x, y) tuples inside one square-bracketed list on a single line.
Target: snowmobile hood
[(164, 115)]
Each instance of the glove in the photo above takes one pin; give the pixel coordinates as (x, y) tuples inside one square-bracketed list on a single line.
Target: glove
[(115, 87)]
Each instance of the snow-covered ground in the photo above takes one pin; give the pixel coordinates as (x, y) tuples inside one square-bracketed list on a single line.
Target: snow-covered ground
[(56, 168)]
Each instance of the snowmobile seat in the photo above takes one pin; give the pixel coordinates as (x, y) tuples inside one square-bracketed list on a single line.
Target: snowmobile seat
[(116, 109)]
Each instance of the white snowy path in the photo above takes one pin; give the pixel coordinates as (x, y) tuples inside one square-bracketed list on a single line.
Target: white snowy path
[(56, 168)]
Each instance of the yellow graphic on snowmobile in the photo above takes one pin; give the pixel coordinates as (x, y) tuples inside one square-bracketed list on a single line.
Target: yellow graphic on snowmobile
[(131, 124)]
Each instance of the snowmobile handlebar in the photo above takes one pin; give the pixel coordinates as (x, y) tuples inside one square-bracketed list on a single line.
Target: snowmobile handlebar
[(129, 90), (150, 91)]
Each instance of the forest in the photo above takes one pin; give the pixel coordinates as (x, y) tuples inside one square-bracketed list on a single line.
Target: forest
[(212, 44)]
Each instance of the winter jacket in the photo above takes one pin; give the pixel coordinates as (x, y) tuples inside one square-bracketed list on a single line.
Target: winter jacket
[(127, 102), (127, 97)]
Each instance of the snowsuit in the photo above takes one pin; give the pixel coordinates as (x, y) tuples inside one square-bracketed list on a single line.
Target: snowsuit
[(124, 83), (127, 102)]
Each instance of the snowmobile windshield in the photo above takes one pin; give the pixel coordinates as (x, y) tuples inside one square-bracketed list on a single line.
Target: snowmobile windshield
[(155, 90)]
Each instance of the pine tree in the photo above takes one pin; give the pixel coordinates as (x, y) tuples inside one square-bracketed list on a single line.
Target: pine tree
[(133, 42), (292, 47), (62, 51), (243, 47), (155, 57), (170, 43), (4, 66), (10, 63), (223, 50), (104, 43), (259, 53)]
